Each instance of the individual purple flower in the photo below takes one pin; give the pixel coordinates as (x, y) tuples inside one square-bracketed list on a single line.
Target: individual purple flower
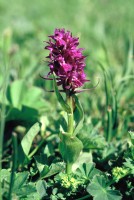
[(66, 60)]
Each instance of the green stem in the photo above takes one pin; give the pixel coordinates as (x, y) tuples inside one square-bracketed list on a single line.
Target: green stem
[(85, 197), (109, 131), (3, 106), (68, 168), (70, 128), (70, 116), (14, 165)]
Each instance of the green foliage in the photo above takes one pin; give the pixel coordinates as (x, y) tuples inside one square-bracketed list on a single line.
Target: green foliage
[(129, 165), (87, 171), (79, 114), (44, 169), (90, 138), (22, 188), (26, 144), (21, 106), (84, 157), (70, 148), (99, 189), (63, 103), (4, 175), (41, 188), (19, 95)]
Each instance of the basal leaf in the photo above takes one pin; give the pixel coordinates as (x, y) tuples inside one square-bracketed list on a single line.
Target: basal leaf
[(15, 93), (100, 191), (36, 102), (84, 157), (54, 169), (4, 175), (91, 139), (26, 190), (26, 144), (87, 171), (44, 169), (41, 188), (20, 179)]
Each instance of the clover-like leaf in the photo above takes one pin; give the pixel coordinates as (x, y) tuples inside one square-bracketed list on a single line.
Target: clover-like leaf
[(41, 187), (100, 190), (91, 138), (87, 171), (20, 180), (129, 164)]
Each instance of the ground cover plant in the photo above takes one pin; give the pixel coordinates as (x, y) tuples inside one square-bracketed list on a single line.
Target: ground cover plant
[(66, 121)]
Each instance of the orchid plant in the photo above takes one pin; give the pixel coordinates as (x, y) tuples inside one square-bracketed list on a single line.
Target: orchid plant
[(66, 63)]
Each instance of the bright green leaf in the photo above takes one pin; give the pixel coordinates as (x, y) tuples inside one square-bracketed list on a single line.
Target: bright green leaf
[(87, 170), (91, 139), (26, 142), (20, 180), (26, 190), (4, 175), (41, 188), (54, 169), (84, 157), (100, 191), (15, 93)]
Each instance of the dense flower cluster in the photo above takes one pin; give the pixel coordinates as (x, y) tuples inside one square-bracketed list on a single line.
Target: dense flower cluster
[(66, 59)]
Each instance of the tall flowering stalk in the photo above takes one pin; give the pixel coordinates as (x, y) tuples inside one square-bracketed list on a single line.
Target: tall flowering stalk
[(66, 63)]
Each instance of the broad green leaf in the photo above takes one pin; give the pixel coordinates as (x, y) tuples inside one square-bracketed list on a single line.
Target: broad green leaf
[(91, 139), (27, 114), (42, 167), (4, 175), (63, 103), (20, 180), (45, 170), (70, 148), (84, 157), (25, 103), (26, 142), (41, 162), (129, 164), (87, 171), (41, 187), (26, 190), (99, 189), (32, 196), (36, 101), (80, 115), (54, 169), (15, 93)]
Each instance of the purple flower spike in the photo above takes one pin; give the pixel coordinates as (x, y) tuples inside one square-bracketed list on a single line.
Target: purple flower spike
[(66, 60)]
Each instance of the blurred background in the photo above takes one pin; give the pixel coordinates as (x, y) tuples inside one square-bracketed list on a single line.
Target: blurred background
[(106, 31)]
